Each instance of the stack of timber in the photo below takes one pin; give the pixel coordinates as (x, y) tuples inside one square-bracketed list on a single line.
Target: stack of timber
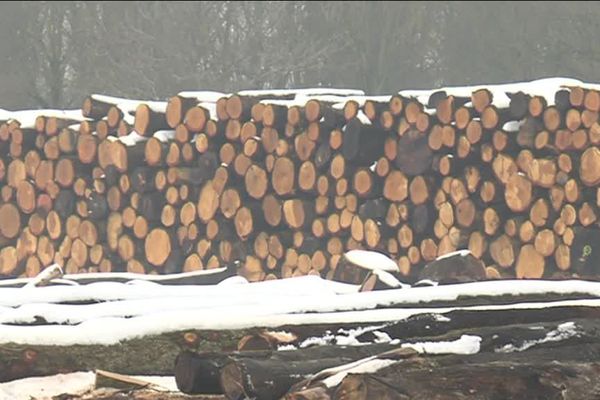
[(284, 182)]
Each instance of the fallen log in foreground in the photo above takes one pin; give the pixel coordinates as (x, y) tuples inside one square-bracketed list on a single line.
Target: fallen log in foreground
[(502, 379), (268, 375), (203, 372), (202, 277)]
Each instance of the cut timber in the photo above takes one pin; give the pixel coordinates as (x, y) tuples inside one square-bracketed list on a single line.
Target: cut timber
[(589, 168), (148, 120), (297, 213), (10, 221), (283, 176), (229, 202), (545, 242), (272, 210), (414, 154), (26, 197), (94, 108), (530, 263), (157, 247), (8, 261), (502, 251), (481, 99), (542, 172), (455, 267), (361, 143), (238, 107), (490, 118), (552, 119), (256, 182), (395, 186), (208, 202), (518, 193)]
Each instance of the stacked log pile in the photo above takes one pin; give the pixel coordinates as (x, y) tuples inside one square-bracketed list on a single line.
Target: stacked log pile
[(285, 182)]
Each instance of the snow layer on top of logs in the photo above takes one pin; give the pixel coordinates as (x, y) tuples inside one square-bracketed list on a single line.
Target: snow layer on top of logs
[(286, 182)]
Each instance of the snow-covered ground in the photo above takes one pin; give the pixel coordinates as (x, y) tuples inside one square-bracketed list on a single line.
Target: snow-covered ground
[(75, 383), (114, 312)]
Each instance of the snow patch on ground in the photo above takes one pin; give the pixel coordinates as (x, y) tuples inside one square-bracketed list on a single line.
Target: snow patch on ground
[(126, 311), (364, 367), (75, 383), (562, 332), (466, 344), (345, 337)]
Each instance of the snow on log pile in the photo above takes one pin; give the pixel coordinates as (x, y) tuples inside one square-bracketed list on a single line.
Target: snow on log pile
[(306, 335), (283, 182)]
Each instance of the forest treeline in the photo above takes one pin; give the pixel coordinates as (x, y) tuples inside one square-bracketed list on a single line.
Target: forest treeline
[(52, 54)]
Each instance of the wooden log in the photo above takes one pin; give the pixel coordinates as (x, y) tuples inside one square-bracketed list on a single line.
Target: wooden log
[(588, 170), (362, 144), (149, 120), (297, 213), (177, 108), (552, 119), (414, 154), (10, 221), (157, 247), (95, 108), (518, 193), (530, 263), (283, 176)]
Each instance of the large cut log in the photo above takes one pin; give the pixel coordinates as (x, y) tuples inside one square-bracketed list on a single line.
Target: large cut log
[(362, 144), (414, 154), (149, 119), (271, 378), (18, 361), (197, 373), (498, 377), (460, 266)]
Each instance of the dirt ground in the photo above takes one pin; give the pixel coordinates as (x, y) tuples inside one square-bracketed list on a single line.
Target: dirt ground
[(138, 394)]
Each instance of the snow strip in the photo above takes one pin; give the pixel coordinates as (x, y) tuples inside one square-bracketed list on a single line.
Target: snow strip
[(512, 126), (546, 87), (129, 140), (306, 286), (562, 332), (211, 108), (109, 331), (467, 344), (128, 106), (363, 118), (165, 135), (27, 117), (461, 253), (365, 366), (344, 337), (302, 92), (107, 276), (204, 96)]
